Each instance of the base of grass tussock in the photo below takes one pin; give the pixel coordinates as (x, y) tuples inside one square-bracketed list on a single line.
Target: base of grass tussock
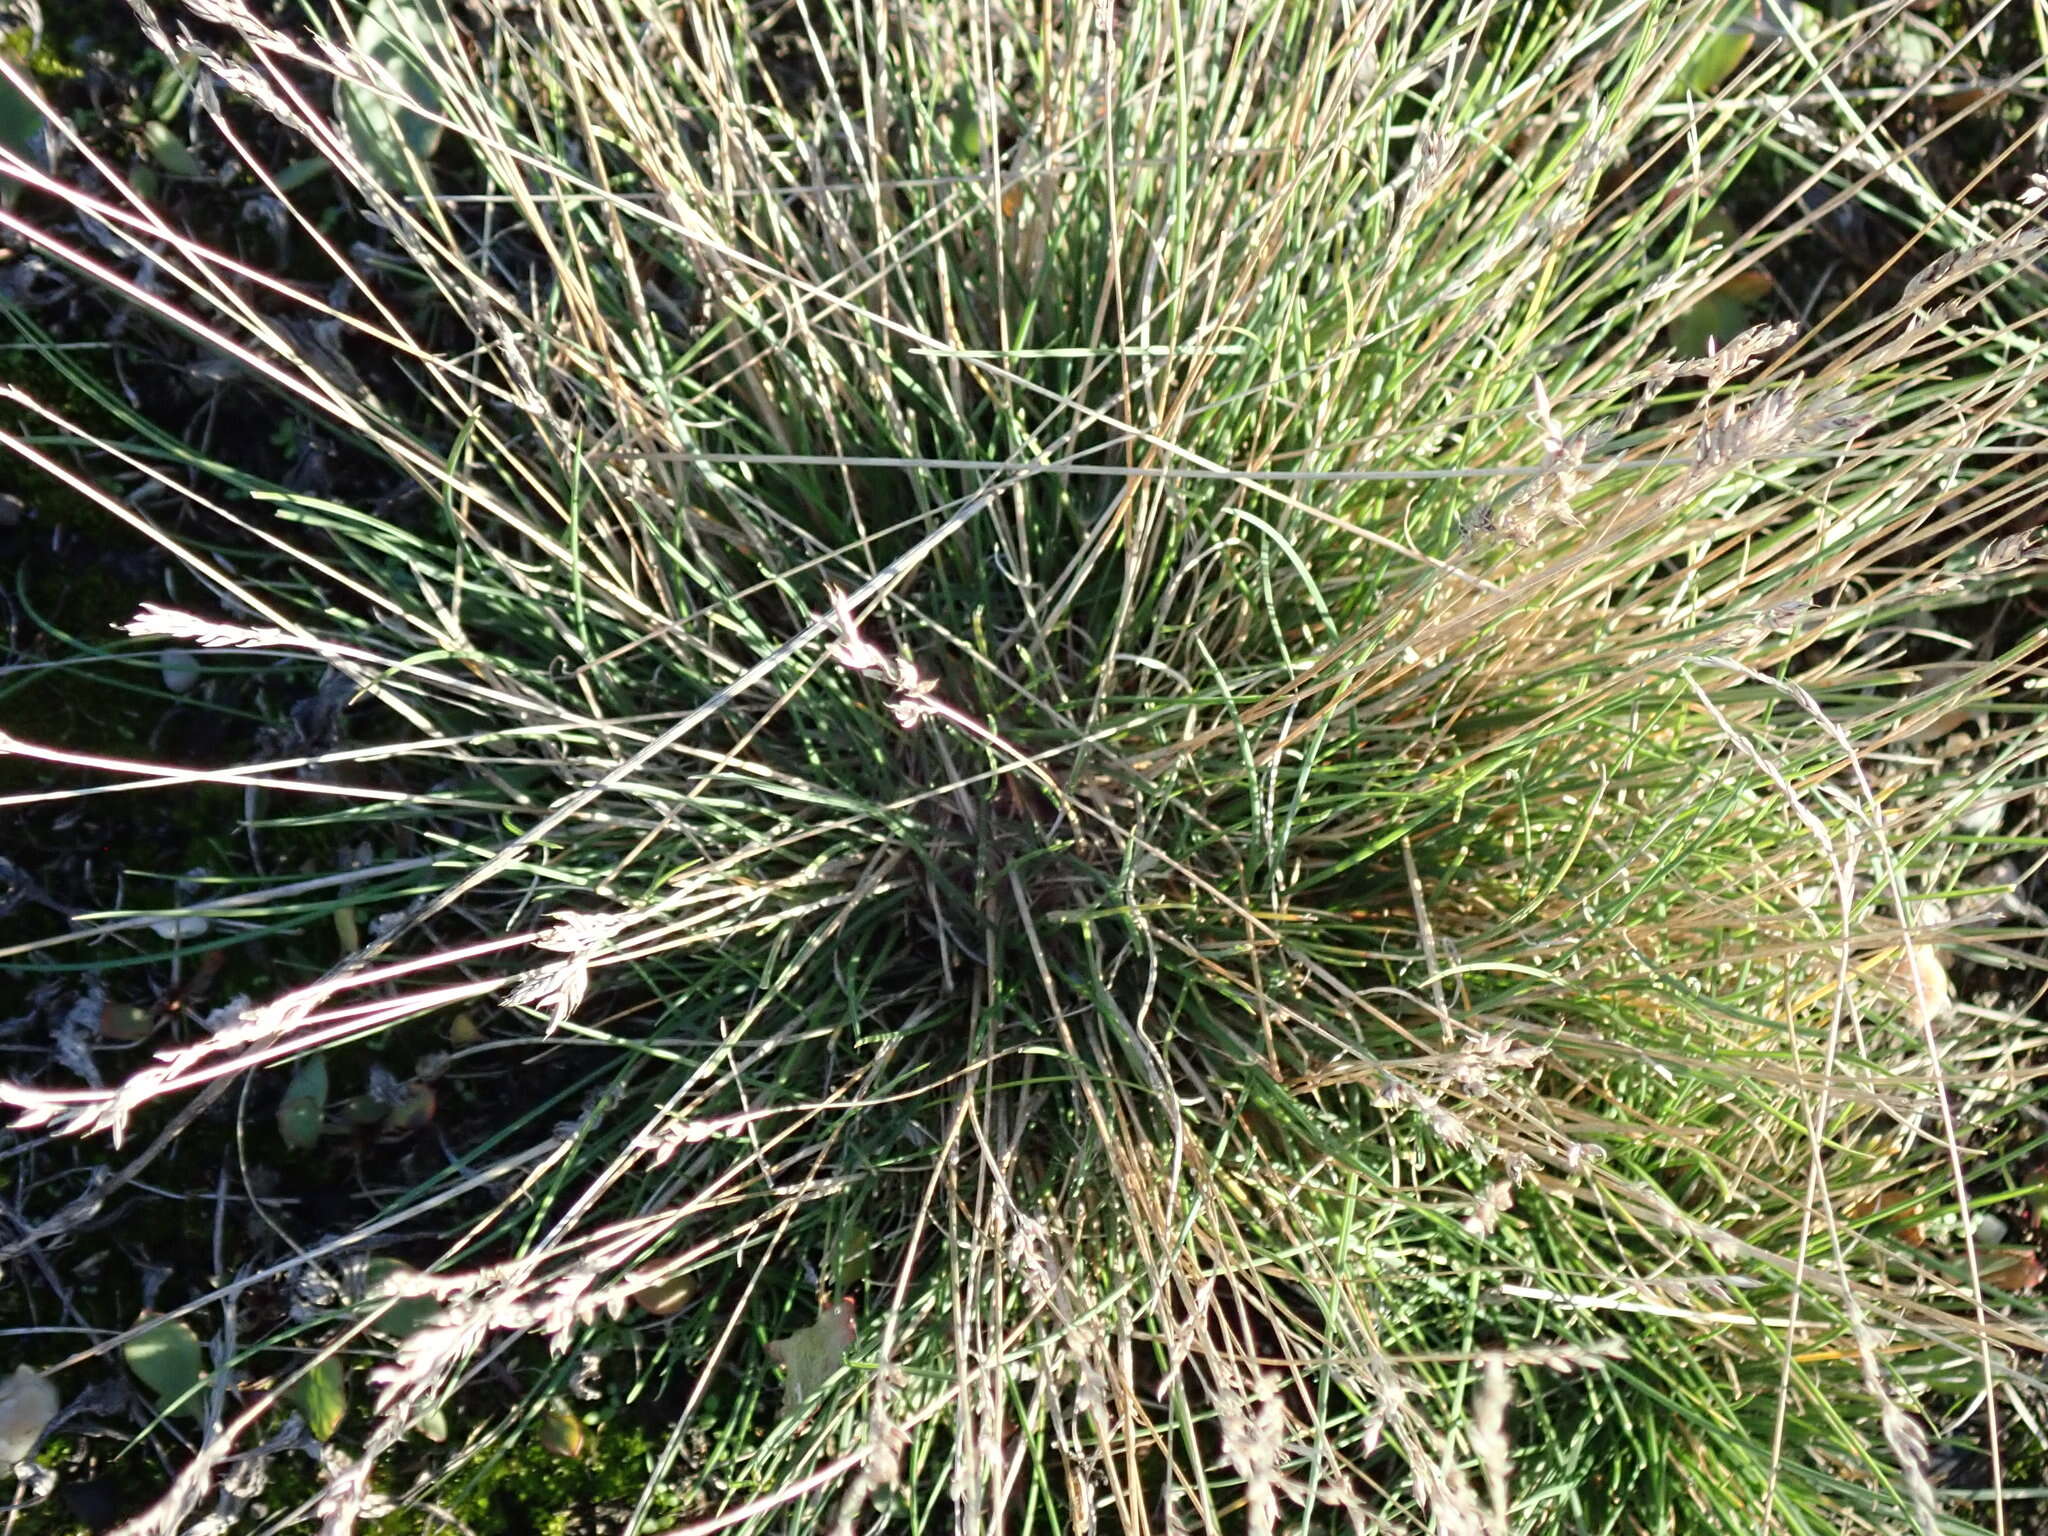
[(1043, 772)]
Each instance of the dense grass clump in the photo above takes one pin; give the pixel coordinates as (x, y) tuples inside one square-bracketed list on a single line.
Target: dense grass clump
[(1114, 784)]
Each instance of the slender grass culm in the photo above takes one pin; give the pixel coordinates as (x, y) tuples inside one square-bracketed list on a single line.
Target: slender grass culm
[(1054, 767)]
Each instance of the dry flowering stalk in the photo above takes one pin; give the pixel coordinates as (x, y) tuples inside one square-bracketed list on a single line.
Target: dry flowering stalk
[(1787, 617), (1776, 422), (1484, 1060), (285, 1027), (582, 933), (1489, 1437), (1749, 429), (1032, 1256), (913, 703), (1742, 352), (1921, 327), (2012, 551), (667, 1134), (1745, 349), (557, 989), (915, 699), (1765, 423), (2015, 244), (1391, 1093), (1253, 1443), (882, 1468), (1736, 433), (428, 1362), (1498, 1197), (1434, 152), (1256, 1443), (560, 987), (1493, 1203), (171, 624), (1567, 1359), (1547, 498)]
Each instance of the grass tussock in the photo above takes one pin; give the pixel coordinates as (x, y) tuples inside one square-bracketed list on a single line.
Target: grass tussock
[(1092, 677)]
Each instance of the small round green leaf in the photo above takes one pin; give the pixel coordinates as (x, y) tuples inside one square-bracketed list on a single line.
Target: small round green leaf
[(1720, 52), (299, 172), (173, 85), (174, 155), (666, 1297), (413, 1111), (810, 1356), (395, 1316), (963, 126), (304, 1105), (560, 1430), (167, 1359), (21, 121), (321, 1396), (393, 142), (27, 1404)]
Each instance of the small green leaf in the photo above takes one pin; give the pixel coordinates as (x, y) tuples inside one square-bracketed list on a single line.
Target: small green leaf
[(21, 121), (560, 1430), (1917, 48), (299, 172), (1727, 308), (1794, 18), (1720, 52), (394, 142), (663, 1298), (395, 1316), (413, 1111), (321, 1396), (170, 151), (167, 1359), (304, 1103), (809, 1356), (963, 129), (179, 668), (432, 1425), (849, 1271), (126, 1023), (27, 1404), (1717, 316), (172, 86)]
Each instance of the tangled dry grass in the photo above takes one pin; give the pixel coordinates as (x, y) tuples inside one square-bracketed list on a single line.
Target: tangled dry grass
[(1092, 681)]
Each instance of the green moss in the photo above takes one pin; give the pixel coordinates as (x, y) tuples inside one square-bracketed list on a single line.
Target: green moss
[(528, 1490), (79, 27), (37, 56)]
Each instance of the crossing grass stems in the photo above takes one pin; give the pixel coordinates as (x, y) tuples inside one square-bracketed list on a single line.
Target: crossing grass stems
[(1087, 672)]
